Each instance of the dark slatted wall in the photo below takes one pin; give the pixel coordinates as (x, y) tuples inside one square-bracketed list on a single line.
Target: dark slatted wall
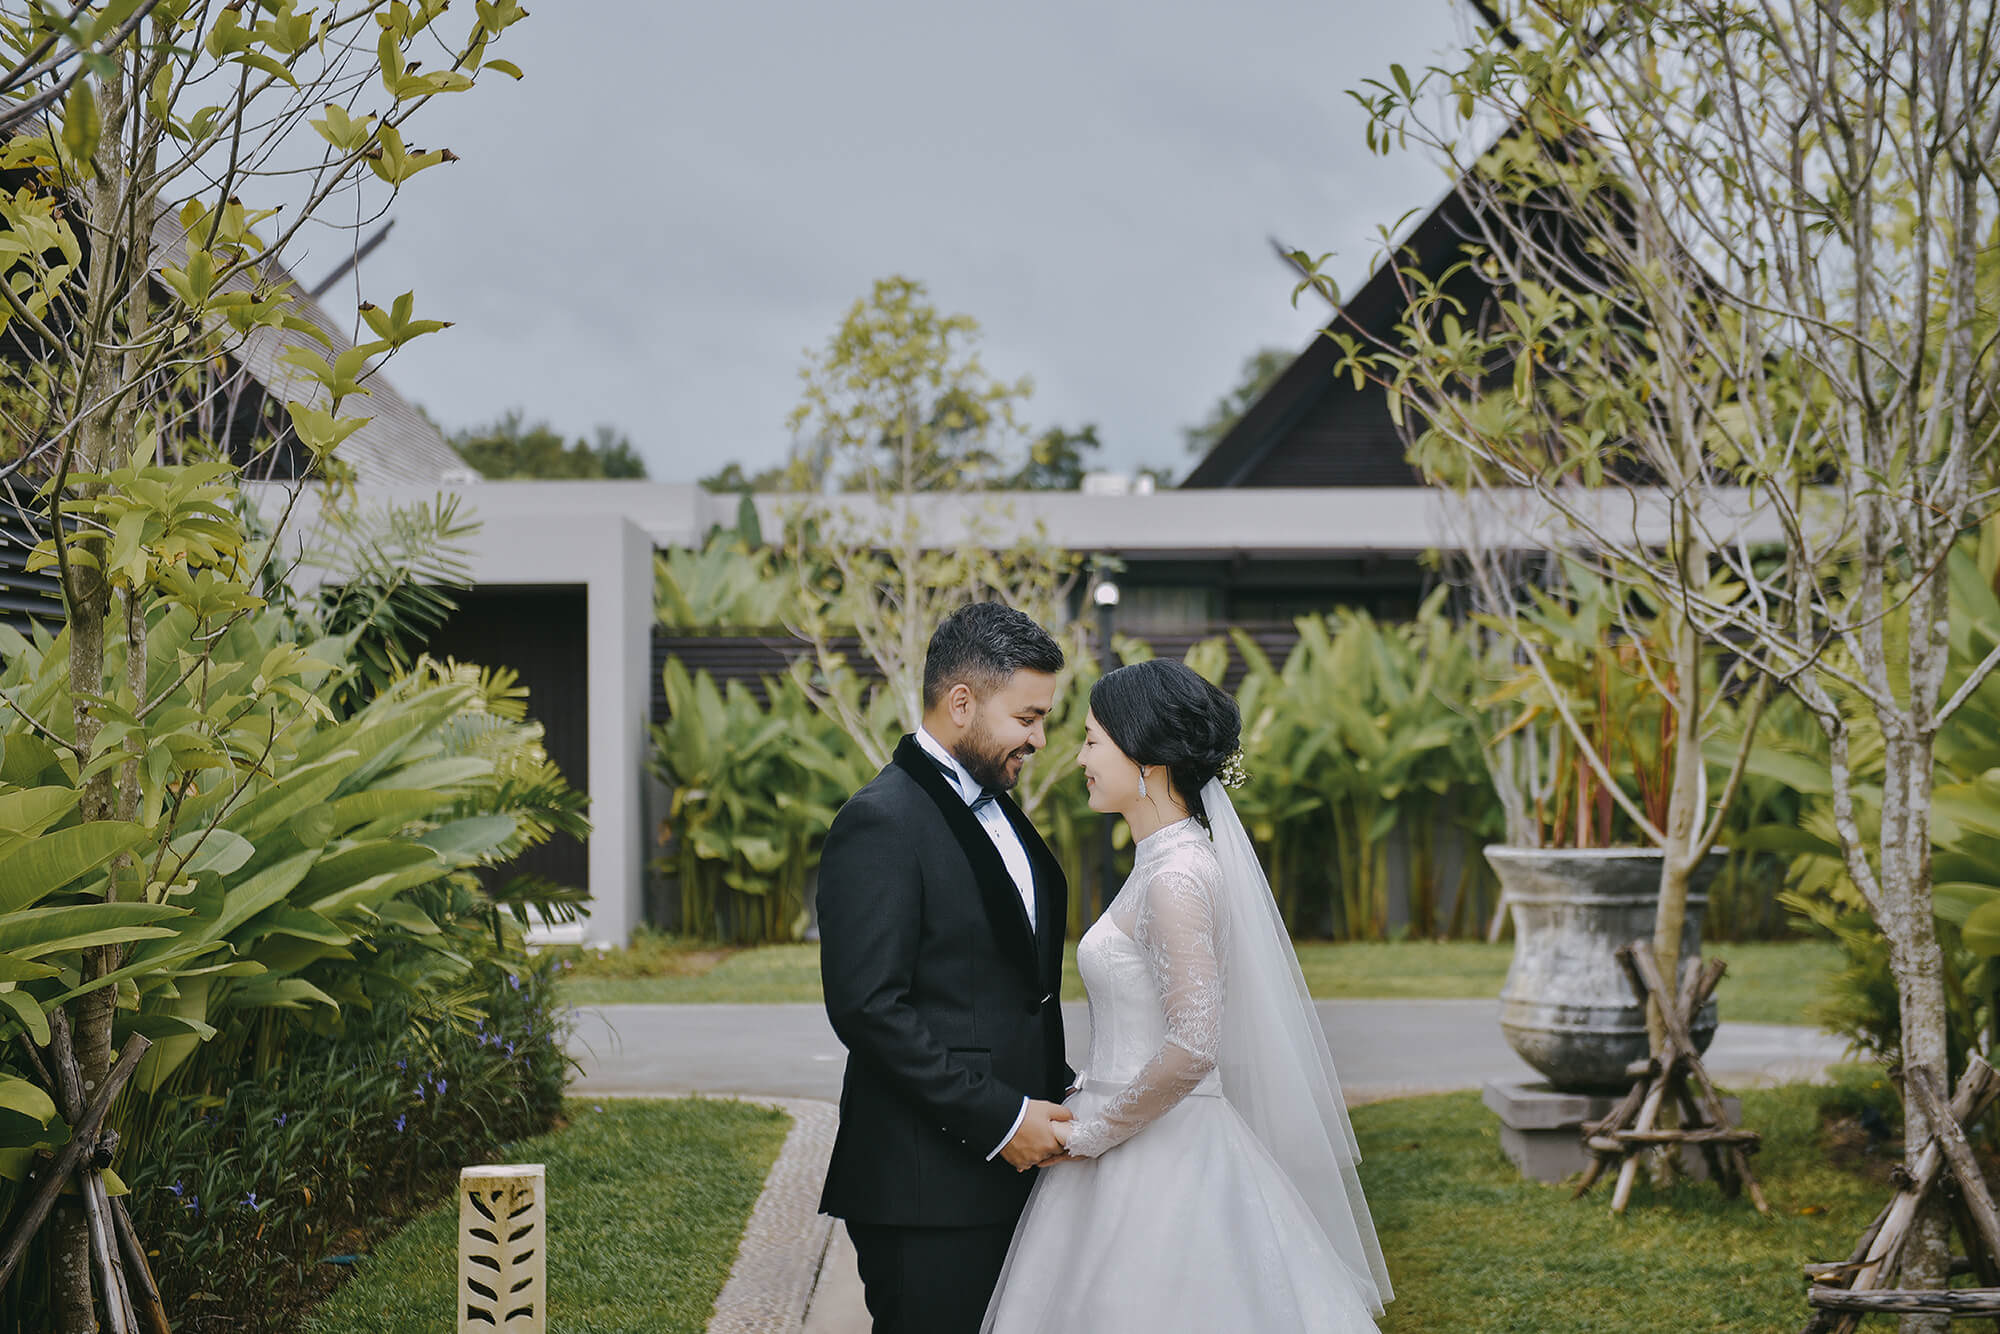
[(24, 597), (749, 657), (541, 633)]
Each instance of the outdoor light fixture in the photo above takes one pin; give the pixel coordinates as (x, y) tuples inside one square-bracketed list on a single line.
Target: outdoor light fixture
[(1105, 595)]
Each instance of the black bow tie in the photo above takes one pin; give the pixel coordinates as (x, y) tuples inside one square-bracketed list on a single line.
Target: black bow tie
[(986, 794)]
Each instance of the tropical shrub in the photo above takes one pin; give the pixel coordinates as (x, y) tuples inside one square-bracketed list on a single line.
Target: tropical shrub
[(146, 274), (755, 785), (299, 866), (1369, 751), (731, 580), (260, 1195), (1363, 738)]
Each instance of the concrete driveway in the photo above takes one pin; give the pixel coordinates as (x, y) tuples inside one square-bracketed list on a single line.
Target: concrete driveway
[(1383, 1048)]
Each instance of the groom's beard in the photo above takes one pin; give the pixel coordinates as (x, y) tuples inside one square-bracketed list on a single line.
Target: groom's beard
[(987, 762)]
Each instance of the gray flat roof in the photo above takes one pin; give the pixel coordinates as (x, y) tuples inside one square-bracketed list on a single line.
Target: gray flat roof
[(523, 518)]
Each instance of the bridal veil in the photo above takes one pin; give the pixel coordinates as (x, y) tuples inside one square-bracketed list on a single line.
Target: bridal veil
[(1276, 1069)]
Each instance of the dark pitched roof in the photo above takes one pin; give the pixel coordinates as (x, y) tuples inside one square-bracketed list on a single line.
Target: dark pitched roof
[(1313, 428), (398, 446)]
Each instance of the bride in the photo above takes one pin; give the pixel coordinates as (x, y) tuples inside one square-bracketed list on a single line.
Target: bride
[(1209, 1177)]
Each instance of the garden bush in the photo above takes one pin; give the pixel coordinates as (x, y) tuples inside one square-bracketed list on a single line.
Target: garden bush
[(260, 1199), (1364, 748)]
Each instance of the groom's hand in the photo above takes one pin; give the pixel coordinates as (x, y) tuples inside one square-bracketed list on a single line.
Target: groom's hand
[(1036, 1141), (1063, 1129)]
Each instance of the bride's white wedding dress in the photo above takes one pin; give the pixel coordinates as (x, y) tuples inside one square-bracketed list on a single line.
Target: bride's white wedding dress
[(1177, 1218)]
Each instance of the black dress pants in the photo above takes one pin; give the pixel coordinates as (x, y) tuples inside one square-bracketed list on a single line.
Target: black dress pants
[(929, 1280)]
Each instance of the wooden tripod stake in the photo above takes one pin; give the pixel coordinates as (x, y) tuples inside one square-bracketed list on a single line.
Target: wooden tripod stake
[(1677, 1074), (1843, 1292), (116, 1255)]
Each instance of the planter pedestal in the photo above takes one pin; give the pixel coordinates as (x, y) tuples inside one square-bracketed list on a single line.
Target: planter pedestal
[(1541, 1128)]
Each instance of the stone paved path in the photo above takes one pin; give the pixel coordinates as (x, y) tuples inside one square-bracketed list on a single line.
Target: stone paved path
[(778, 1262)]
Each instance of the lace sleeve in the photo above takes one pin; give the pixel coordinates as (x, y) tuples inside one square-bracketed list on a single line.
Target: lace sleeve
[(1178, 928)]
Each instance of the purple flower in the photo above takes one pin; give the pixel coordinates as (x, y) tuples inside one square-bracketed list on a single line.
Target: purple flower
[(192, 1202), (400, 1120), (280, 1117), (178, 1189), (441, 1086), (251, 1199)]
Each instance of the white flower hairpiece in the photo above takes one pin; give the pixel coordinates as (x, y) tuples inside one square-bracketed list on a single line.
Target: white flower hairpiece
[(1232, 774)]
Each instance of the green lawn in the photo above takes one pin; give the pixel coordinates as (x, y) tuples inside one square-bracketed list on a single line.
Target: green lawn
[(647, 1202), (1475, 1249), (1766, 982)]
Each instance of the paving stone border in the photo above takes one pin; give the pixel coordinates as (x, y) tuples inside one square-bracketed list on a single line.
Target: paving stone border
[(778, 1262)]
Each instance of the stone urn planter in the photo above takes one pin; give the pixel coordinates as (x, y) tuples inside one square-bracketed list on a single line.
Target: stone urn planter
[(1567, 1007)]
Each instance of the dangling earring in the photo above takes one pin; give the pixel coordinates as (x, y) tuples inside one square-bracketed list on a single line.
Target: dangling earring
[(1142, 783)]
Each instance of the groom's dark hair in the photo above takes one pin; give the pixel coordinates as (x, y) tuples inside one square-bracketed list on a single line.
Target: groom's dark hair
[(983, 644)]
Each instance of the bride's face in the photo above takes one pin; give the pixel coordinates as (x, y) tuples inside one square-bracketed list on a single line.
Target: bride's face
[(1108, 773)]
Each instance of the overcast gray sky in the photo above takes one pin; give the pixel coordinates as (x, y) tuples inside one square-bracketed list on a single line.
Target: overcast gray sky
[(651, 228)]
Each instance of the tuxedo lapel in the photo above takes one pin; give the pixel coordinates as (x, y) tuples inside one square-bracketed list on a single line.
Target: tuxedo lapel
[(997, 890), (1051, 894)]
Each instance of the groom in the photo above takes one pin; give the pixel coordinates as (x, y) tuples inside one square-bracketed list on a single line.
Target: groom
[(941, 917)]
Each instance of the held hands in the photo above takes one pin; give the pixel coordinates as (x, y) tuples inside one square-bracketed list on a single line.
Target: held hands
[(1039, 1138), (1063, 1130)]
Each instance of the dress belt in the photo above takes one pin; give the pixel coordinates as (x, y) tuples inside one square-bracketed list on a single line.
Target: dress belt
[(1113, 1087)]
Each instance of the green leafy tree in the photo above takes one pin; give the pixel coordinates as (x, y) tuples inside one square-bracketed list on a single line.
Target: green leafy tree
[(1057, 460), (1750, 301), (1260, 369), (908, 424), (512, 447), (139, 273), (733, 479), (898, 401)]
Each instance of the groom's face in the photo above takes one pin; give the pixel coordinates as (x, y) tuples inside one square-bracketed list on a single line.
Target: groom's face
[(1005, 728)]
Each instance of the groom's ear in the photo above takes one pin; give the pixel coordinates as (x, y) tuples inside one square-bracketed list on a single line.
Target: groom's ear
[(960, 703)]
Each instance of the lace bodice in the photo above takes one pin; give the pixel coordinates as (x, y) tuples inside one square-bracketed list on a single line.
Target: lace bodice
[(1152, 966)]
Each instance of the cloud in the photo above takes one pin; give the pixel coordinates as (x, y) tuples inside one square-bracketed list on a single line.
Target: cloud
[(650, 228)]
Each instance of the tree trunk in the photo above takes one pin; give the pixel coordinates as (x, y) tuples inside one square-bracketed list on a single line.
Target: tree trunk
[(87, 598), (1919, 967), (1684, 825)]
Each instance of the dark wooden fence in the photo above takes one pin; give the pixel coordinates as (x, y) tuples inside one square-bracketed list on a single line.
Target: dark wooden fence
[(25, 598)]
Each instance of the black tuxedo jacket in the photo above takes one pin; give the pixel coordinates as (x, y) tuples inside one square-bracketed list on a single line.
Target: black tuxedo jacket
[(946, 1000)]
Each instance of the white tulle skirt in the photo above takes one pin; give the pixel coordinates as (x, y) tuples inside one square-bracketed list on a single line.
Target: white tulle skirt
[(1187, 1226)]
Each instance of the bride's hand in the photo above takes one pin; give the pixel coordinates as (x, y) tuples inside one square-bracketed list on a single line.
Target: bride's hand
[(1062, 1130)]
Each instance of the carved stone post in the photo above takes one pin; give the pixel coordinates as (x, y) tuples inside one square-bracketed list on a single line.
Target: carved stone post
[(502, 1250)]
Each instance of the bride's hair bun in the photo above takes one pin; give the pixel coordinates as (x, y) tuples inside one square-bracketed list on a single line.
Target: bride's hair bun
[(1162, 712)]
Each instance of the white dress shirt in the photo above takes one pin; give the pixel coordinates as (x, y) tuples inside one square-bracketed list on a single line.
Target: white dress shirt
[(991, 818), (1007, 842)]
